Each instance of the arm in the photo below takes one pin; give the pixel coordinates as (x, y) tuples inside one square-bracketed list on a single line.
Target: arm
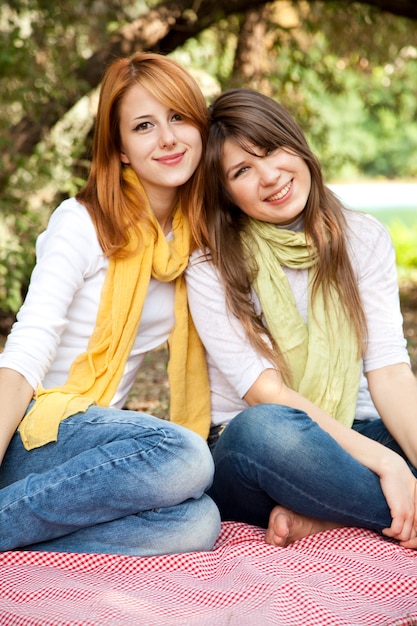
[(397, 481), (391, 382), (386, 363), (229, 352), (394, 391), (269, 388), (218, 329), (16, 393), (64, 254)]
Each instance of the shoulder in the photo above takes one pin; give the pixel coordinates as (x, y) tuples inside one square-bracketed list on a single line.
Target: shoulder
[(72, 214), (200, 263), (69, 222), (366, 235), (70, 239), (364, 226), (370, 250), (200, 256)]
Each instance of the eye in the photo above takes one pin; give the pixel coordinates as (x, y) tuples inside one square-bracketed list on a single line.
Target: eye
[(142, 126), (269, 151), (177, 117), (240, 171)]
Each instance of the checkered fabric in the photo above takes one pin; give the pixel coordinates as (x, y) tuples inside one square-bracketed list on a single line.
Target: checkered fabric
[(342, 577)]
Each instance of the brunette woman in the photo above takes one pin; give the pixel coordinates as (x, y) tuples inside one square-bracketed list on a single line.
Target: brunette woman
[(314, 404)]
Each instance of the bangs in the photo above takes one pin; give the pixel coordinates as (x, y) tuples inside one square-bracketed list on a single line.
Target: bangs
[(176, 90), (250, 141)]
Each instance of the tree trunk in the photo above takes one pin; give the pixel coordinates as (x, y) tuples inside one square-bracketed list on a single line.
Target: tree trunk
[(251, 58)]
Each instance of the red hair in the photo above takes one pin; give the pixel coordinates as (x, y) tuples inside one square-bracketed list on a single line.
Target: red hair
[(105, 194)]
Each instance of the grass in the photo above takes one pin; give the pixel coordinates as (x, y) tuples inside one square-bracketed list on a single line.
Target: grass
[(402, 225)]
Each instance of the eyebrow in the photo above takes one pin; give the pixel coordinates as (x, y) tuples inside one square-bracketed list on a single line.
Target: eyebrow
[(146, 115), (234, 167), (140, 117)]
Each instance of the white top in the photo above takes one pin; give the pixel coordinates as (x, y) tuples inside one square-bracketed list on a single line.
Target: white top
[(59, 313), (234, 365)]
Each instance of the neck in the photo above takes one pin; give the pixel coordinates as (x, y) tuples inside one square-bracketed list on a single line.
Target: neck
[(163, 209), (164, 217)]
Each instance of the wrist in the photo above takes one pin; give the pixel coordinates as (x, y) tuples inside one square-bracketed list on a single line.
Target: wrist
[(388, 462)]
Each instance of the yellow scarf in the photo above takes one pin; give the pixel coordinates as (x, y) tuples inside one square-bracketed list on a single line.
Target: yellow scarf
[(323, 356), (95, 375)]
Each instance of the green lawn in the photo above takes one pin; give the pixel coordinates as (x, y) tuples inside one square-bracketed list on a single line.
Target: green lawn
[(392, 215)]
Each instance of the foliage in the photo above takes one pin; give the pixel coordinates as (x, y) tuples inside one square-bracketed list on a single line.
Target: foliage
[(346, 71), (405, 242), (330, 66), (40, 44)]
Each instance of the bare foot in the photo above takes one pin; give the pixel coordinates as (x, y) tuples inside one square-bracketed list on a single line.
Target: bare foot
[(286, 526)]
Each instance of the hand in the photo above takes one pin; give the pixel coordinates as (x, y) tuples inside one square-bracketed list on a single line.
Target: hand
[(400, 490), (412, 543)]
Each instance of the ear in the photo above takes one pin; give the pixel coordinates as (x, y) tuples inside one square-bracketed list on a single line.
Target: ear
[(124, 158)]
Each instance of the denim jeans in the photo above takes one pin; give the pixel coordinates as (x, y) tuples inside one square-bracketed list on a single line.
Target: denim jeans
[(114, 482), (271, 454)]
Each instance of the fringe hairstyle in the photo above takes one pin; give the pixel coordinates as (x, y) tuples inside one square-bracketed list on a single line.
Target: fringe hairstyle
[(104, 194), (248, 118)]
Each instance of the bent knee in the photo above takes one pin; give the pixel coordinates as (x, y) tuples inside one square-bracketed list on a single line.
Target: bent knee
[(194, 462), (265, 426), (198, 458), (204, 526)]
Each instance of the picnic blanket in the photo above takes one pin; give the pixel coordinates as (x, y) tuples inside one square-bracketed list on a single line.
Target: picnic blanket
[(341, 577)]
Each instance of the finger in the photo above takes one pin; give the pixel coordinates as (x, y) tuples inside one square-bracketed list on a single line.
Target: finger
[(396, 529), (402, 528), (407, 531), (411, 543), (415, 506)]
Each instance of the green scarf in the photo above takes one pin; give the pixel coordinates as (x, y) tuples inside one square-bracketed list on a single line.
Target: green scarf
[(323, 356), (95, 375)]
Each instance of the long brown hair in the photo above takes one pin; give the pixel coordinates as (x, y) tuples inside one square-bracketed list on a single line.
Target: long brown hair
[(248, 118), (105, 193)]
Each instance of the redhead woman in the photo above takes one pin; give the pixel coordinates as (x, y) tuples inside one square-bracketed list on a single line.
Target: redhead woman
[(314, 404), (78, 473)]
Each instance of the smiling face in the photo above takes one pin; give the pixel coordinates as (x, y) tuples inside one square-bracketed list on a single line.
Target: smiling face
[(271, 186), (161, 146)]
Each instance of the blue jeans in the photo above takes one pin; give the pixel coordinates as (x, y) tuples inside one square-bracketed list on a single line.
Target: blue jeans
[(114, 482), (271, 454)]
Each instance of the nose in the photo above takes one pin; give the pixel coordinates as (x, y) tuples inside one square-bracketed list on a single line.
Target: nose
[(167, 137), (269, 174)]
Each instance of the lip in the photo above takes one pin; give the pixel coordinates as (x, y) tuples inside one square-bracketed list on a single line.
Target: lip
[(171, 159), (278, 196)]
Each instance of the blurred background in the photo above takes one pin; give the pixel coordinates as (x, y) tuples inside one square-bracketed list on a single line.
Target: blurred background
[(346, 70)]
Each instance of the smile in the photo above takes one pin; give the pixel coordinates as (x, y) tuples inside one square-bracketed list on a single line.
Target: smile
[(171, 159), (281, 194)]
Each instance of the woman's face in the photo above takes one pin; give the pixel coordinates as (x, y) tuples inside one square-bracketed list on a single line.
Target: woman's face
[(163, 149), (272, 187)]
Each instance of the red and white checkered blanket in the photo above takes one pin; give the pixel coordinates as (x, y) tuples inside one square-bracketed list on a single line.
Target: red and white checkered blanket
[(342, 577)]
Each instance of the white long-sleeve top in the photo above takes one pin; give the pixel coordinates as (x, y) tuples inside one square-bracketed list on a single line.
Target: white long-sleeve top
[(234, 365), (59, 313)]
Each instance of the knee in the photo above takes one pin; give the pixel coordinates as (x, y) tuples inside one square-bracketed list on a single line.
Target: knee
[(193, 454), (265, 427), (199, 461), (203, 526)]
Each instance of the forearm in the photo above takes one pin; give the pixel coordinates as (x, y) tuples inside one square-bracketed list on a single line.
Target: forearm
[(394, 393), (269, 388), (15, 394)]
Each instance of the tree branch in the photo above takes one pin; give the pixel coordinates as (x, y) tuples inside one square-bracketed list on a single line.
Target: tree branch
[(162, 29), (401, 8)]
